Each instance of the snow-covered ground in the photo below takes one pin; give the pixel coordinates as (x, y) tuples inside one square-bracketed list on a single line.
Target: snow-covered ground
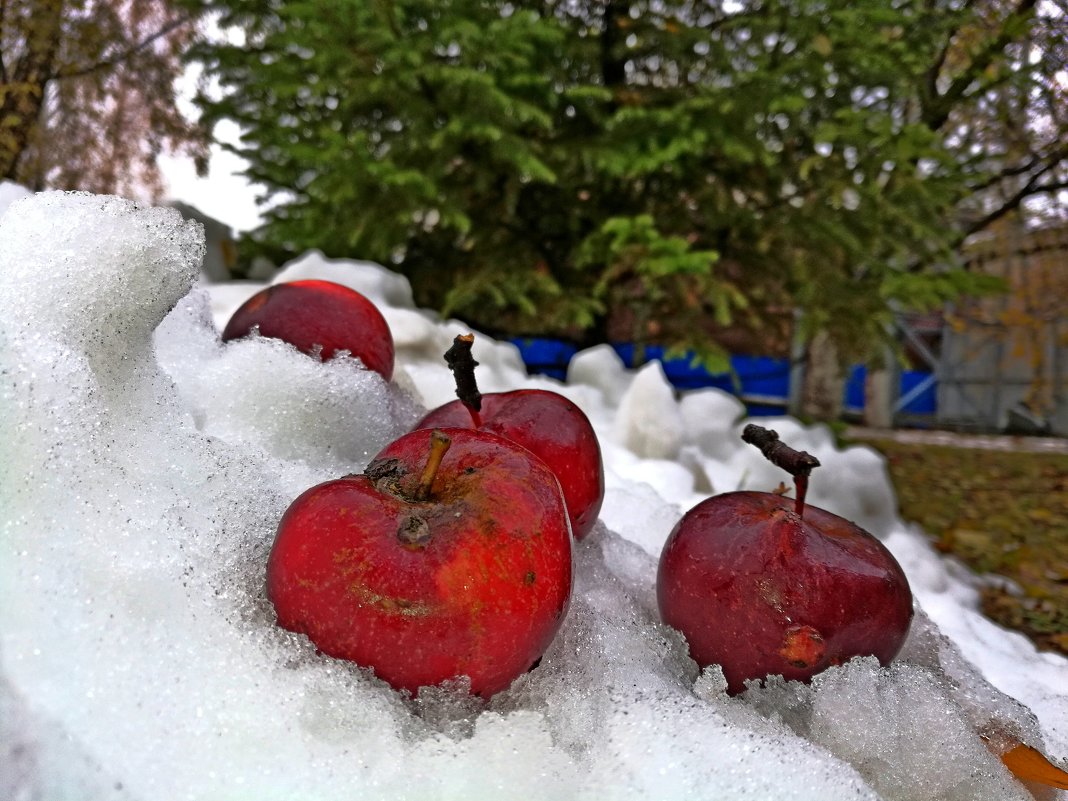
[(144, 466)]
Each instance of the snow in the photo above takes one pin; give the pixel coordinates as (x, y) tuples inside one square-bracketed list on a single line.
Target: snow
[(9, 193), (145, 466)]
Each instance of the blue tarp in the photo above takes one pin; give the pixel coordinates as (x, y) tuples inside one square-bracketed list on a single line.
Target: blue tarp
[(924, 403), (762, 382)]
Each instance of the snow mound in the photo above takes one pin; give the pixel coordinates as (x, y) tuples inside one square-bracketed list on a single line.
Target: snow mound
[(146, 466)]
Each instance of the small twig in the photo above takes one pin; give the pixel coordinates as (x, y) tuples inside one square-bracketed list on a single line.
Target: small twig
[(797, 463), (463, 365)]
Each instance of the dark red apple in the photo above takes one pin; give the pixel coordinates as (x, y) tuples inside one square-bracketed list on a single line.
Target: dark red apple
[(319, 318), (763, 585), (544, 422), (449, 556)]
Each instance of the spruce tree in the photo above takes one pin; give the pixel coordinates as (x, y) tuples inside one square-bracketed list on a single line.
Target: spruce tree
[(688, 173)]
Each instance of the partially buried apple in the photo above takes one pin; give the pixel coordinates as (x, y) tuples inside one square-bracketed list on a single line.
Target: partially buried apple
[(544, 422), (319, 318), (449, 556), (762, 585)]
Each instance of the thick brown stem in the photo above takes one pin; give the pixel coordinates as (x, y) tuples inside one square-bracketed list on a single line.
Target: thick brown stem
[(463, 365), (799, 464), (439, 444)]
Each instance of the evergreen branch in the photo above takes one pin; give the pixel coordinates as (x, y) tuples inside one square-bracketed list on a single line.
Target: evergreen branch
[(727, 18), (425, 88)]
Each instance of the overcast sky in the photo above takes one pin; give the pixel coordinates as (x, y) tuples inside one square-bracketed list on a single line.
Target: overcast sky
[(223, 193)]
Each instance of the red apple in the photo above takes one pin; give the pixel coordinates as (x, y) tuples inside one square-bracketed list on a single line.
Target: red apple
[(763, 585), (319, 318), (441, 560), (546, 423)]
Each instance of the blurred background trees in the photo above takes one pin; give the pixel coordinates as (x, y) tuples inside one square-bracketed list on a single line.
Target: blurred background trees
[(681, 172), (88, 95), (685, 173)]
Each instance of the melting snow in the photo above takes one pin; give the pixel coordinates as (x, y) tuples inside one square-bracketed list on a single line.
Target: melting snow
[(145, 466)]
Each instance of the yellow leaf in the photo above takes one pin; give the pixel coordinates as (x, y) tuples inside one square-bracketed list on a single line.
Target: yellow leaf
[(821, 43), (1029, 764)]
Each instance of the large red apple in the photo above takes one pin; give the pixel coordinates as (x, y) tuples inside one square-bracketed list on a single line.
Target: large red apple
[(546, 423), (319, 318), (449, 556), (763, 585)]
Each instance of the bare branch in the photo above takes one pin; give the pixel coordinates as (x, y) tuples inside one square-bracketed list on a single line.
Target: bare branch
[(1049, 161), (941, 105), (1030, 189), (119, 58), (935, 70), (3, 22)]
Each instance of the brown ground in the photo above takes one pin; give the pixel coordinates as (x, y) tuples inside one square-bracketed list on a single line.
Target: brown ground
[(1000, 505)]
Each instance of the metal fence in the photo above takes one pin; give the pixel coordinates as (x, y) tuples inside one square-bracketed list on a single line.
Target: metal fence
[(992, 364), (1004, 359)]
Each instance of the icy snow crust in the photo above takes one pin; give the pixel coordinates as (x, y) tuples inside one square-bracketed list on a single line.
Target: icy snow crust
[(145, 466)]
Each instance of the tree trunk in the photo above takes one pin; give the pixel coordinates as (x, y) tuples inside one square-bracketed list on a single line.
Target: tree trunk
[(879, 397), (823, 383), (23, 84)]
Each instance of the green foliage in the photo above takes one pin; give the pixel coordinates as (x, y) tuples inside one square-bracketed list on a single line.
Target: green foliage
[(653, 276), (671, 171)]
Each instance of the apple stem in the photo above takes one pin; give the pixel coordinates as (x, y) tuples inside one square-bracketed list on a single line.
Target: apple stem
[(799, 464), (463, 365), (801, 483), (439, 444)]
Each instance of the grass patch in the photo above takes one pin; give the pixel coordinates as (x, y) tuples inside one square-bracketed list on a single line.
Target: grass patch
[(998, 512)]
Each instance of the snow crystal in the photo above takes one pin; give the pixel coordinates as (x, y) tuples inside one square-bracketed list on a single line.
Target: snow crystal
[(145, 468), (898, 726)]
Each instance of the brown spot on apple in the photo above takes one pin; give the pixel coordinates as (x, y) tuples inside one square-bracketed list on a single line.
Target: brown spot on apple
[(414, 533), (802, 646), (403, 607), (386, 475)]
